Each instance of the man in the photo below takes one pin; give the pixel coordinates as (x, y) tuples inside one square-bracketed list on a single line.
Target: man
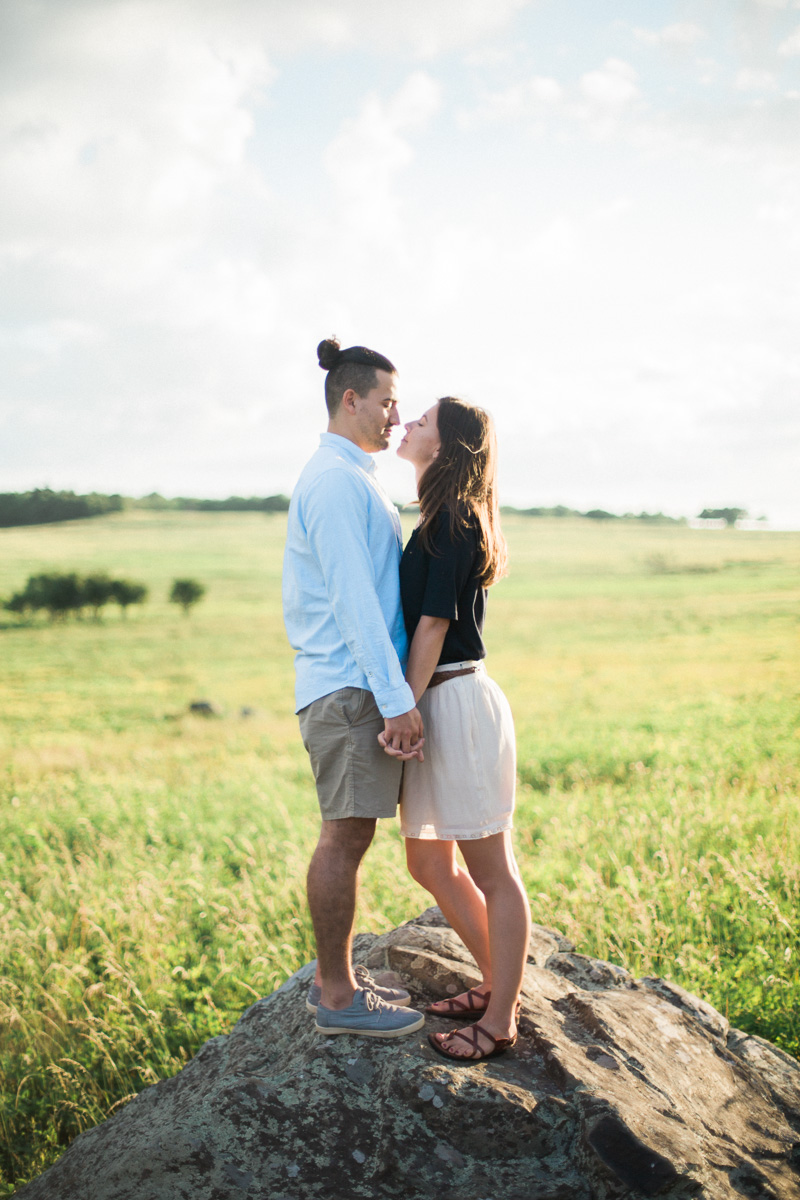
[(341, 603)]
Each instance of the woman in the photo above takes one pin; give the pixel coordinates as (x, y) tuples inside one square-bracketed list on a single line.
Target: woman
[(462, 794)]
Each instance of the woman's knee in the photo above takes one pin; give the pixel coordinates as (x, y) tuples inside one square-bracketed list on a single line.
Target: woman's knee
[(429, 863), (494, 878), (491, 864)]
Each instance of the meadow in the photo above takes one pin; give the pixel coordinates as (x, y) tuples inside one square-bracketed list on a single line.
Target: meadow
[(152, 862)]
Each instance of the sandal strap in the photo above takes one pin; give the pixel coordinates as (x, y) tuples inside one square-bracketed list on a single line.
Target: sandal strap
[(456, 1006), (471, 1038), (485, 996)]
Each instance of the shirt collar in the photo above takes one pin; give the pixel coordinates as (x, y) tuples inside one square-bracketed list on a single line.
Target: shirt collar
[(348, 449)]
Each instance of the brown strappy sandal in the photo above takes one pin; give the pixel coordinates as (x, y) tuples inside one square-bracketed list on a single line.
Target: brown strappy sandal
[(499, 1045), (458, 1010)]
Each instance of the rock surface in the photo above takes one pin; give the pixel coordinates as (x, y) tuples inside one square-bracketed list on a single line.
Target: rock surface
[(616, 1089)]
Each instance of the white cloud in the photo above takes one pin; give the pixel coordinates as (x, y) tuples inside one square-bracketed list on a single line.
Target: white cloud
[(748, 80), (682, 35), (611, 87), (710, 71), (372, 148), (791, 46), (598, 99), (120, 128), (532, 98), (429, 29)]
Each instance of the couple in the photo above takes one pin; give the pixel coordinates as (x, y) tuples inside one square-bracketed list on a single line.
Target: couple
[(358, 608)]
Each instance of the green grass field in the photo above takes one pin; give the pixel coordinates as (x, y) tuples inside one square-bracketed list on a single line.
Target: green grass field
[(152, 863)]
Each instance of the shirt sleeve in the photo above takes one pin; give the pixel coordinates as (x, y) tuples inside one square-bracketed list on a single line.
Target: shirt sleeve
[(449, 566), (336, 519)]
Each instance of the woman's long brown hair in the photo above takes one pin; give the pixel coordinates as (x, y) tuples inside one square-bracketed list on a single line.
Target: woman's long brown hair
[(462, 479)]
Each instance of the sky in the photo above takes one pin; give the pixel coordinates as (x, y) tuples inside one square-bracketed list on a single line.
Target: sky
[(582, 216)]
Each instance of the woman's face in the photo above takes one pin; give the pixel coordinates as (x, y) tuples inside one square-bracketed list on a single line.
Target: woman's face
[(421, 443)]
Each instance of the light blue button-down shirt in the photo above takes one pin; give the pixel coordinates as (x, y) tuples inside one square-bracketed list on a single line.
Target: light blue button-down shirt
[(341, 583)]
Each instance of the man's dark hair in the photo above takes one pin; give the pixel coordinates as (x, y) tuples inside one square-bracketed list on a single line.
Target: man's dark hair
[(353, 368)]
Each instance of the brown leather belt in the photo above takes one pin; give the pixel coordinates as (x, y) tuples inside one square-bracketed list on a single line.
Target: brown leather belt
[(440, 676)]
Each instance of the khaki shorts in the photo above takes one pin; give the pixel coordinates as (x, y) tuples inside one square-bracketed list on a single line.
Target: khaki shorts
[(354, 777)]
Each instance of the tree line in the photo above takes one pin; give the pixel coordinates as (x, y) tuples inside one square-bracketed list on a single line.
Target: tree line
[(43, 506), (279, 503), (59, 593), (729, 515), (595, 514)]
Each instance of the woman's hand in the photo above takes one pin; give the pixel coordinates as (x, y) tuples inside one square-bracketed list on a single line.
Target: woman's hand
[(402, 735), (404, 756)]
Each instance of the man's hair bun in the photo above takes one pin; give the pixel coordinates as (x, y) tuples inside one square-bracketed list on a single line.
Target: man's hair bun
[(328, 353)]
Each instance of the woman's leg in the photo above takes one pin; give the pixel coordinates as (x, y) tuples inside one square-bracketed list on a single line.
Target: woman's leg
[(493, 868), (433, 865)]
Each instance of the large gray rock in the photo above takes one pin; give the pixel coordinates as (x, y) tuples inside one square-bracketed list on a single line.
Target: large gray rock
[(617, 1088)]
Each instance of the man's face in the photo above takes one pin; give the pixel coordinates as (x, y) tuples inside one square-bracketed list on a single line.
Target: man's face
[(376, 413)]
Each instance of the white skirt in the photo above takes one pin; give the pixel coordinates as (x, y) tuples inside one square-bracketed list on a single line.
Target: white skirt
[(465, 787)]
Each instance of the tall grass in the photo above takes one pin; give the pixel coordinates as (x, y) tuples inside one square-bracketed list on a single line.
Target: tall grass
[(152, 863)]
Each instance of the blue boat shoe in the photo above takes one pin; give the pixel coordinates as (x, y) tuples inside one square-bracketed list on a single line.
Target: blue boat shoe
[(369, 1016), (397, 996)]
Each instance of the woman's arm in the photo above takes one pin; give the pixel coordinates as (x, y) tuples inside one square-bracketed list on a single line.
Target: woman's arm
[(426, 646)]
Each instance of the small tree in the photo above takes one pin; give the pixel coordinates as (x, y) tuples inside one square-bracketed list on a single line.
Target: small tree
[(58, 593), (96, 590), (729, 515), (33, 597), (186, 592), (42, 591), (126, 592), (599, 514)]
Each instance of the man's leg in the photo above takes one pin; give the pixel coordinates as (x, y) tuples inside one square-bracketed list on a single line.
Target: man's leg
[(332, 884), (353, 775)]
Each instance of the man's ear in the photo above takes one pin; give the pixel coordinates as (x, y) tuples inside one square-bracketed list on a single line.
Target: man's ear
[(349, 398)]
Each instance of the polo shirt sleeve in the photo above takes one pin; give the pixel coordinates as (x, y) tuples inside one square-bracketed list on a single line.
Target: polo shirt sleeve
[(449, 566), (336, 518)]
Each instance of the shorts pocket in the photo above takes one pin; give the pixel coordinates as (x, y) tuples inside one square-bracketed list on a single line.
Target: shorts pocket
[(353, 702)]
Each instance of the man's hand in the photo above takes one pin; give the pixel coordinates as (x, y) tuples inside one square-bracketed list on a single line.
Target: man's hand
[(402, 735)]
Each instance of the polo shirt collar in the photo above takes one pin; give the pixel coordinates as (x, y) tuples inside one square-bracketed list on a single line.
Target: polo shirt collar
[(348, 449)]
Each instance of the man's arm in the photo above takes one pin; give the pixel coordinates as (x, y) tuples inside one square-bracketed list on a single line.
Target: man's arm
[(335, 516)]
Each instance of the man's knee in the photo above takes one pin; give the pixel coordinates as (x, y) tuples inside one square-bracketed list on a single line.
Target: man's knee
[(350, 835)]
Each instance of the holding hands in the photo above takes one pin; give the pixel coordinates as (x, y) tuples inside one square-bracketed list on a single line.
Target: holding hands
[(402, 736)]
